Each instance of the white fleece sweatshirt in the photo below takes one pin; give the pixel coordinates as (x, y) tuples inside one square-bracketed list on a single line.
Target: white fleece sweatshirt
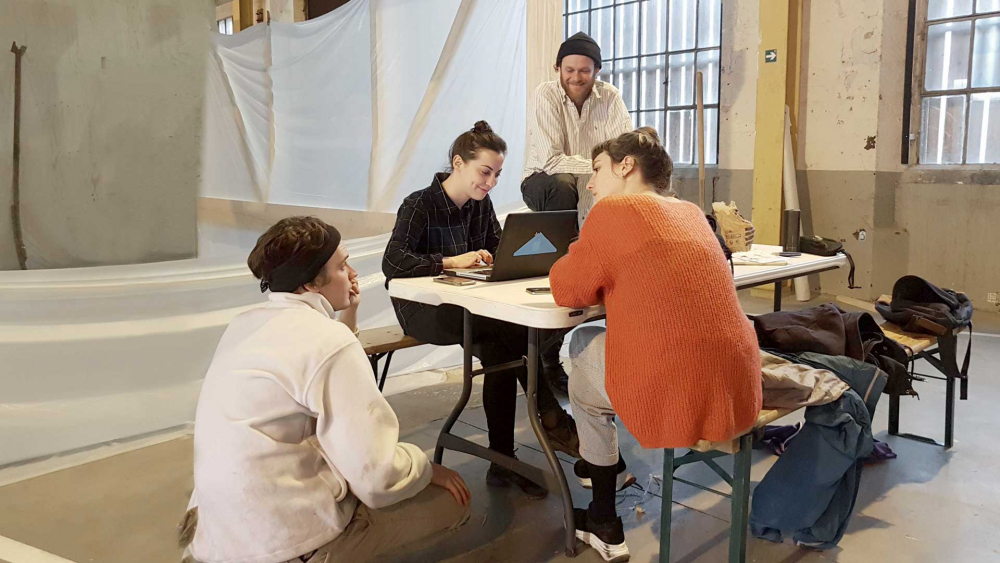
[(291, 432)]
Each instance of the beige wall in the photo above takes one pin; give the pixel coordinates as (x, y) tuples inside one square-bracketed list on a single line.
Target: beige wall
[(110, 131), (920, 220)]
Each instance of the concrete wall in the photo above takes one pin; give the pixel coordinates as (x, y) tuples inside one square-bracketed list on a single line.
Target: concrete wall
[(852, 185), (111, 127)]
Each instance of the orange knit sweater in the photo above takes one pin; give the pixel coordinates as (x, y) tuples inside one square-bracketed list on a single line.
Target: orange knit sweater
[(682, 361)]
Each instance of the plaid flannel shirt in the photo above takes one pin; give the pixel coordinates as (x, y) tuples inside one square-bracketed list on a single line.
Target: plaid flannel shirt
[(430, 227)]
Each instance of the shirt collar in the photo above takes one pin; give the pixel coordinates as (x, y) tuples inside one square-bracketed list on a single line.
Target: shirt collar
[(440, 196), (595, 92), (309, 299)]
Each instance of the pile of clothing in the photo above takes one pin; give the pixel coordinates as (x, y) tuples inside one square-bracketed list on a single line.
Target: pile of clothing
[(836, 364)]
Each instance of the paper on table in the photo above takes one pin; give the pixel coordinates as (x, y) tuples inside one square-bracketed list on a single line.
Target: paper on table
[(757, 257)]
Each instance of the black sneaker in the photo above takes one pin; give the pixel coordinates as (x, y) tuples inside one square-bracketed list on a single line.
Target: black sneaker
[(499, 476), (562, 433), (608, 538), (556, 378), (582, 472)]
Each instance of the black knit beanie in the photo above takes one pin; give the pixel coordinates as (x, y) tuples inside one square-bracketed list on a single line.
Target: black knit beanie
[(580, 44)]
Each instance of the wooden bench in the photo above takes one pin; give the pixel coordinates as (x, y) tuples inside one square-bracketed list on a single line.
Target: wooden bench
[(941, 353), (706, 452), (383, 342)]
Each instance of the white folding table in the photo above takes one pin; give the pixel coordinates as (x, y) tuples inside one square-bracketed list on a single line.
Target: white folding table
[(510, 302)]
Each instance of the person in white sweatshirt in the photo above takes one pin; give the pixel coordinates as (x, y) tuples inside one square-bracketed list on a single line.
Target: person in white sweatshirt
[(296, 452)]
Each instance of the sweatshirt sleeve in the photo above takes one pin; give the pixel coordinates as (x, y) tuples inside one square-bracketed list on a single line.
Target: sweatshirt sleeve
[(578, 279), (359, 431)]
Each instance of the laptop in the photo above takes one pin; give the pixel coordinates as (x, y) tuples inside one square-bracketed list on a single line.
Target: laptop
[(529, 246)]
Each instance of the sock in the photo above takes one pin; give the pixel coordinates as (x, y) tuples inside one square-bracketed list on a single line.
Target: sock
[(602, 508)]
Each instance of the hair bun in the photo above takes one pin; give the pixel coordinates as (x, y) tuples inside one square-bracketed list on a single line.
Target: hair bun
[(648, 134), (482, 127)]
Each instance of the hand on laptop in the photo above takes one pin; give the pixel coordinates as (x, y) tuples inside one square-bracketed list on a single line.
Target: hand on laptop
[(468, 260)]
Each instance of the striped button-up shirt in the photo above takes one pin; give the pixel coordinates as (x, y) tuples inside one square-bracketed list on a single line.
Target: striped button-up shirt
[(561, 138)]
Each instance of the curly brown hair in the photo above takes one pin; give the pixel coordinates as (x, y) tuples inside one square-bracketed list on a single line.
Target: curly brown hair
[(283, 240), (644, 146)]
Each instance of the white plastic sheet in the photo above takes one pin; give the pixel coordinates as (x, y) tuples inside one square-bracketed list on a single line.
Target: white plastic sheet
[(357, 109)]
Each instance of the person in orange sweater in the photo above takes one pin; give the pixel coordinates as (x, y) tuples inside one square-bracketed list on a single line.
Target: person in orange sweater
[(679, 361)]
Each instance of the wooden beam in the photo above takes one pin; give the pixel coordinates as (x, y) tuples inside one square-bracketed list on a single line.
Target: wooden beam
[(245, 13), (769, 143)]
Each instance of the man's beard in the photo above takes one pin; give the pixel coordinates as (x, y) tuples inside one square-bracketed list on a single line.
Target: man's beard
[(566, 87)]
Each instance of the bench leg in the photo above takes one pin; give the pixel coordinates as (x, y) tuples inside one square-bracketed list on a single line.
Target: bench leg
[(947, 346), (741, 502), (893, 414), (667, 498), (373, 359), (385, 371)]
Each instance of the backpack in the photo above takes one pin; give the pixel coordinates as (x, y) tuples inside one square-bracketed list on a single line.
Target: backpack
[(920, 306), (828, 247)]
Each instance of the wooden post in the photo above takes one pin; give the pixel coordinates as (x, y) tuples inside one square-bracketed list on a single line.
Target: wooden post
[(245, 13), (15, 206), (699, 82)]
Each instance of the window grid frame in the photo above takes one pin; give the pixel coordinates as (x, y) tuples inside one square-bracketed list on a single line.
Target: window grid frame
[(919, 82), (664, 106)]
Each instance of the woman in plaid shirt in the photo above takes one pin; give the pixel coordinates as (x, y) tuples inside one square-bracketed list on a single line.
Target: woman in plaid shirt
[(452, 224)]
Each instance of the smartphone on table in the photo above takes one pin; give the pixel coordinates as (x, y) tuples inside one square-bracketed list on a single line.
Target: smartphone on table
[(453, 280), (539, 290)]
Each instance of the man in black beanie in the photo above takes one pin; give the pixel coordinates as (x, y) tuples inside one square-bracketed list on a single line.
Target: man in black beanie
[(567, 119)]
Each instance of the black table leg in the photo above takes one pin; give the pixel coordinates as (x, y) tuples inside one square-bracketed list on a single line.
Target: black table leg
[(550, 454), (466, 387), (777, 295)]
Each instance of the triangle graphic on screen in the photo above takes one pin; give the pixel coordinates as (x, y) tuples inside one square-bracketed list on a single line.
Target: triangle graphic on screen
[(537, 245)]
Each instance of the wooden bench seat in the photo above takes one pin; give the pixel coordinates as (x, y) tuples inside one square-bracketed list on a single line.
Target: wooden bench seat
[(383, 342)]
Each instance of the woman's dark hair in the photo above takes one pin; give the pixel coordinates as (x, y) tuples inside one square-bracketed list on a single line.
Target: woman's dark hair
[(644, 146), (480, 137)]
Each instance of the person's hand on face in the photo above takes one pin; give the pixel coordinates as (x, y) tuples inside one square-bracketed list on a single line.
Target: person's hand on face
[(355, 297)]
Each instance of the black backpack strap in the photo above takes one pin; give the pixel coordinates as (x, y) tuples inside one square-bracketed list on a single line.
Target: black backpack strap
[(964, 394), (850, 275)]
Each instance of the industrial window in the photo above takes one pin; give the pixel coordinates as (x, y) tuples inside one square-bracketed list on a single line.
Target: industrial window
[(958, 82), (652, 50), (226, 26)]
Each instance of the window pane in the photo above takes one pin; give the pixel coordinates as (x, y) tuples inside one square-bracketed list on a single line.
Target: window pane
[(222, 26), (653, 79), (985, 59), (680, 125), (599, 3), (627, 20), (577, 5), (983, 6), (602, 30), (578, 22), (708, 65), (682, 22), (948, 56), (984, 129), (709, 23), (680, 81), (229, 26), (654, 30), (940, 9), (652, 119), (605, 73), (711, 139), (626, 80), (943, 130)]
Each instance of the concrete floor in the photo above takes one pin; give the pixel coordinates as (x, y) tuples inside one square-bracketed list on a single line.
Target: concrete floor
[(926, 506)]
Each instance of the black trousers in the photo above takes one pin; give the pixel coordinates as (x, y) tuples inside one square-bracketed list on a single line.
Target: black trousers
[(545, 192), (555, 192), (494, 343)]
